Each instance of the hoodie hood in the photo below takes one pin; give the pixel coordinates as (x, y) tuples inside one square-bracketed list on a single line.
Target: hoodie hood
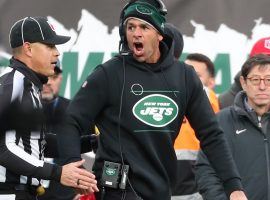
[(178, 41), (166, 59)]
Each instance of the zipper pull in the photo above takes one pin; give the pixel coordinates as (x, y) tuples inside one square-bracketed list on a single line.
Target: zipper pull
[(259, 122)]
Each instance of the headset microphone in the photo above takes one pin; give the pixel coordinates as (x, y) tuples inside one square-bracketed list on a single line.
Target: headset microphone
[(126, 53), (123, 48)]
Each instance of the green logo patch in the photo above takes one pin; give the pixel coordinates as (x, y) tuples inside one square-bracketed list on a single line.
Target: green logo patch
[(144, 10), (155, 110), (110, 171)]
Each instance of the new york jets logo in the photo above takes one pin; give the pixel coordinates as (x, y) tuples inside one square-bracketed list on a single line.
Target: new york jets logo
[(155, 110), (110, 171), (144, 10)]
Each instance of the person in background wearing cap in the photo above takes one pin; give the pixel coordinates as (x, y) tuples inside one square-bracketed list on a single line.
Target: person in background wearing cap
[(138, 100), (54, 107), (262, 46), (246, 126), (33, 41)]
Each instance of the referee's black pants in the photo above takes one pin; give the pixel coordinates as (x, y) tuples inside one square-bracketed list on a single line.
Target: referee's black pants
[(25, 195), (21, 192), (19, 195)]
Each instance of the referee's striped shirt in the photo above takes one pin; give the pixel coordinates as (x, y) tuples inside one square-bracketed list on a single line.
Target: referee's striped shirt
[(21, 150)]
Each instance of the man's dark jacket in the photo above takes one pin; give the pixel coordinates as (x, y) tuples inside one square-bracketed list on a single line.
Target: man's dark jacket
[(248, 139)]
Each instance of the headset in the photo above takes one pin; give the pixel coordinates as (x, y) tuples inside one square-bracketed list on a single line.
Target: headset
[(123, 49)]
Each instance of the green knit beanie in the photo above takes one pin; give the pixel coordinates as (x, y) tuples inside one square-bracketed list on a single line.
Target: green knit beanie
[(146, 12)]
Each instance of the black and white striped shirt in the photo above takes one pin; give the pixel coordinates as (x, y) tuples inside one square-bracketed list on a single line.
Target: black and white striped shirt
[(21, 149)]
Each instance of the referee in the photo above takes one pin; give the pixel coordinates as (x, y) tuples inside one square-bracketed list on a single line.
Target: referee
[(22, 168)]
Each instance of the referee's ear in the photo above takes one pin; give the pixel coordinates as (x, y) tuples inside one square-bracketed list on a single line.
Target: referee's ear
[(27, 49)]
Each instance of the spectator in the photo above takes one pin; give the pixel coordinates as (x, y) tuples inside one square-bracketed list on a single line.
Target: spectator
[(246, 126), (226, 99), (54, 107)]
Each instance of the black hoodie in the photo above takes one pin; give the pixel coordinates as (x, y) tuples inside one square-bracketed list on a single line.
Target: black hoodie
[(138, 109)]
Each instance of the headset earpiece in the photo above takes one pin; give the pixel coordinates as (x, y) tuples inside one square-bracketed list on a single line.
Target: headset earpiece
[(162, 8), (122, 42)]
